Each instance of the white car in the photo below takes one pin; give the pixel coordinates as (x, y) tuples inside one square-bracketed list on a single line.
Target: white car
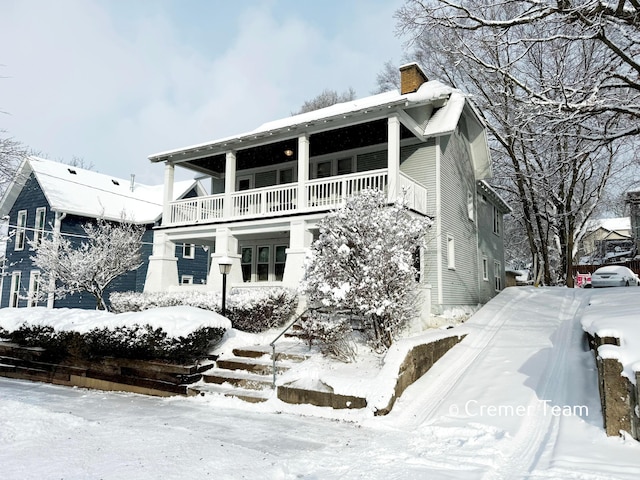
[(614, 276)]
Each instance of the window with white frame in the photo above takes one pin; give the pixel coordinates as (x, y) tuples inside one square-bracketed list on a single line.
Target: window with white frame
[(263, 263), (21, 230), (470, 209), (186, 280), (34, 289), (188, 250), (451, 253), (41, 216), (14, 294), (496, 220), (485, 268), (497, 273)]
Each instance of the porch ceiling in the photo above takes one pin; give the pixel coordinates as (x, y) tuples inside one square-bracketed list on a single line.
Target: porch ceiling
[(322, 143)]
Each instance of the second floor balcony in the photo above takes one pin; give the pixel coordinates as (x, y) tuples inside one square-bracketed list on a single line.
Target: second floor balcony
[(291, 198)]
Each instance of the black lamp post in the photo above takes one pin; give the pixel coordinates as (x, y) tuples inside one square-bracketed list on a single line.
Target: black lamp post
[(225, 267)]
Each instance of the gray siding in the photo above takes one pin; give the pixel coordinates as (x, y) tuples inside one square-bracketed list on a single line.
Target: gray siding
[(491, 246), (459, 285)]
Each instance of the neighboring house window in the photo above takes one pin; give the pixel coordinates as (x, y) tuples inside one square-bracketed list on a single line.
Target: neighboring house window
[(497, 272), (34, 289), (188, 250), (451, 253), (186, 280), (417, 263), (470, 211), (21, 230), (496, 220), (41, 215), (15, 289), (485, 268)]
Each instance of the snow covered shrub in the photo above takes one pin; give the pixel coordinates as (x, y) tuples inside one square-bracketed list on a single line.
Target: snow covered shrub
[(259, 310), (364, 262), (140, 342), (250, 310), (332, 336)]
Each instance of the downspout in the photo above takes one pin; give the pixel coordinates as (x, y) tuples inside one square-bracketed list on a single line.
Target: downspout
[(57, 226)]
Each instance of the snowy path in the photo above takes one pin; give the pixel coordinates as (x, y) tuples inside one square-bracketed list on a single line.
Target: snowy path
[(485, 411)]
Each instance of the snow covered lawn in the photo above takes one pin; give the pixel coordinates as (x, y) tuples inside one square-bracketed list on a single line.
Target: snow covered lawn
[(517, 398)]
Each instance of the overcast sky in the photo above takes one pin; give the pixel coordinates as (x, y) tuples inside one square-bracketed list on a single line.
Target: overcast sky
[(113, 81)]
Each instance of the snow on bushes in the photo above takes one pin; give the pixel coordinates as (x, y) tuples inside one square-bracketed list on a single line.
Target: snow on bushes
[(178, 334), (364, 262), (250, 310)]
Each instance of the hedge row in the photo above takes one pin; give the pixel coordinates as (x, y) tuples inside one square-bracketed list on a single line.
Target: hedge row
[(141, 342), (250, 310)]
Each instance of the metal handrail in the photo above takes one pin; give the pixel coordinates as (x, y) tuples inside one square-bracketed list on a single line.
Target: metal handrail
[(273, 343)]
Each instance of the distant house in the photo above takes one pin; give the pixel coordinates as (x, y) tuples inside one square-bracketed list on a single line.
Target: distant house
[(48, 197), (606, 240), (270, 186)]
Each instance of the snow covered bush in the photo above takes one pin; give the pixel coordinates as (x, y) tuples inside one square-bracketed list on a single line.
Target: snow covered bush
[(250, 310), (332, 336), (140, 342), (364, 262)]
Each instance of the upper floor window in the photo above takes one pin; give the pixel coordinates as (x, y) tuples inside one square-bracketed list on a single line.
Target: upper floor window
[(496, 220), (21, 230), (497, 273), (41, 216), (470, 210), (485, 268)]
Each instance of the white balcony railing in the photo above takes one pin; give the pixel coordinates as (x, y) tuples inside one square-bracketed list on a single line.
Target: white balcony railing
[(325, 193)]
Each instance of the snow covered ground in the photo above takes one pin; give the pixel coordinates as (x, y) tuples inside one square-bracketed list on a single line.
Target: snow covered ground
[(517, 398)]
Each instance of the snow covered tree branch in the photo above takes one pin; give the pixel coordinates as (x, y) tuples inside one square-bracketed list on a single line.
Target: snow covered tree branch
[(109, 250), (364, 262)]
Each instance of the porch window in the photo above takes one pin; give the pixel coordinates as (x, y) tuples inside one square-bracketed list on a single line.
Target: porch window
[(246, 262), (323, 169), (286, 176), (15, 289), (186, 280), (345, 166), (21, 226), (281, 258), (263, 263)]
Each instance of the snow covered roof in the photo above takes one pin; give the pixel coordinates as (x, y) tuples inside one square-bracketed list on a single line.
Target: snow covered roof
[(619, 224), (77, 191), (430, 93)]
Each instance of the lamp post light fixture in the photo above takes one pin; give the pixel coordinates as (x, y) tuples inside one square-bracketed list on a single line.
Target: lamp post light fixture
[(225, 267)]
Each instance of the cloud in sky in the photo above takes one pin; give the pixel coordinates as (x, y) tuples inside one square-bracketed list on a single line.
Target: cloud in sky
[(115, 81)]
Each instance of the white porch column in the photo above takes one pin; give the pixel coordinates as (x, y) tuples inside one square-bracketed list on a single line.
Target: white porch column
[(163, 265), (229, 184), (226, 246), (169, 174), (303, 170), (299, 242), (393, 158)]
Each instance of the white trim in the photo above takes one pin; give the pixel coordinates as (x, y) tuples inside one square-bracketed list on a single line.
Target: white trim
[(191, 253), (186, 280), (21, 231)]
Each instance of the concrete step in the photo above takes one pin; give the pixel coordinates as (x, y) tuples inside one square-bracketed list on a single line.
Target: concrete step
[(238, 378), (252, 396), (255, 365), (287, 351)]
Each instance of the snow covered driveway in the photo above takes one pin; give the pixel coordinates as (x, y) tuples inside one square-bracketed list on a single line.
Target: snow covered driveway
[(517, 398)]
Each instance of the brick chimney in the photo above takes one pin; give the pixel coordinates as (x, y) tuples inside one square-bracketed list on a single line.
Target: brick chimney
[(411, 77)]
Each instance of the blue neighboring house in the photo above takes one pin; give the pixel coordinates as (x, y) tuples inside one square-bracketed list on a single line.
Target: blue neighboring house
[(47, 197)]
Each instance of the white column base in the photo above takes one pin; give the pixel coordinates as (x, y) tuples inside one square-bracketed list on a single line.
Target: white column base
[(162, 274)]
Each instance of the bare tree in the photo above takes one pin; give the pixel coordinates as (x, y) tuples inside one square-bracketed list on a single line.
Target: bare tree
[(326, 99), (552, 160), (109, 250), (12, 153)]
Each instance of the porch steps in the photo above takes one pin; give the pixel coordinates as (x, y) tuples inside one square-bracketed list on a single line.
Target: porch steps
[(247, 374)]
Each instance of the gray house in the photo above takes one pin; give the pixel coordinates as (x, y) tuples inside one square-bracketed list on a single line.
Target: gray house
[(269, 187)]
